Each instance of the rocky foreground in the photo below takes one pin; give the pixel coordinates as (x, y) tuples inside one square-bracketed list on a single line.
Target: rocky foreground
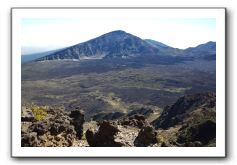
[(188, 122)]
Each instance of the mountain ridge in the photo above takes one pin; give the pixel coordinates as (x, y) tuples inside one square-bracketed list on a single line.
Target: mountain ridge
[(156, 43), (120, 44)]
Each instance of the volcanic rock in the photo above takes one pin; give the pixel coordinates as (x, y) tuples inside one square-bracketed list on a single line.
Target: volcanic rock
[(182, 108), (146, 137), (104, 137), (135, 121), (78, 120)]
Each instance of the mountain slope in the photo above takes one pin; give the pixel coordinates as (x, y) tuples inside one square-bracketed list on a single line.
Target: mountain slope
[(112, 44), (156, 43), (165, 49)]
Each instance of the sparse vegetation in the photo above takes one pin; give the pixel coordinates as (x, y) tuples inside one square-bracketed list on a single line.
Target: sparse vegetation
[(39, 112)]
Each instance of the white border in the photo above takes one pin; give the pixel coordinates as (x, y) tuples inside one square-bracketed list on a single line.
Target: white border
[(218, 151)]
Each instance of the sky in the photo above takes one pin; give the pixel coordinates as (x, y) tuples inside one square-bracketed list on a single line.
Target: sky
[(43, 34)]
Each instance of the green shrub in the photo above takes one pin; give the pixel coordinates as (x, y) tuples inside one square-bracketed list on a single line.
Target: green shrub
[(39, 113)]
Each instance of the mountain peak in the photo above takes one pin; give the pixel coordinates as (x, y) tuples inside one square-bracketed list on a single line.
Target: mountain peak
[(207, 45), (211, 42), (117, 32)]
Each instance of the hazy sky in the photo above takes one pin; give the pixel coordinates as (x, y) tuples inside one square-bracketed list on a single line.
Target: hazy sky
[(41, 34)]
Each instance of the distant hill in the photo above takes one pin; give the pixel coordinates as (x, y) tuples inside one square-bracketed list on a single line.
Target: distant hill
[(206, 51), (209, 46), (120, 44), (31, 57)]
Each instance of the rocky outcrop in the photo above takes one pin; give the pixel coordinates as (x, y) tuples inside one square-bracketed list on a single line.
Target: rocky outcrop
[(182, 108), (146, 137), (190, 122), (198, 135), (57, 129)]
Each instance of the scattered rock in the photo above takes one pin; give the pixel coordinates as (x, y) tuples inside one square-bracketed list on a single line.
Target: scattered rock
[(57, 129), (135, 121), (39, 127), (126, 135), (190, 122), (29, 140)]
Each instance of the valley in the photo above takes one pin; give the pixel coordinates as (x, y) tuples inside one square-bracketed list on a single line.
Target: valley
[(115, 89)]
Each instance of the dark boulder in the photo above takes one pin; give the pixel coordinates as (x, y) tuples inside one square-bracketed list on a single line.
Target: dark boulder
[(90, 138), (104, 137), (146, 137), (56, 128), (78, 121)]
